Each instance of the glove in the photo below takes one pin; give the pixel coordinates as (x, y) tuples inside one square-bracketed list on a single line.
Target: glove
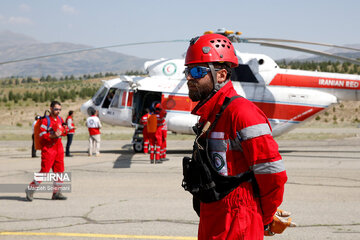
[(281, 221)]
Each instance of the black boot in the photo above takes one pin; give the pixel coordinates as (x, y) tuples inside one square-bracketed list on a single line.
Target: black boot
[(58, 196)]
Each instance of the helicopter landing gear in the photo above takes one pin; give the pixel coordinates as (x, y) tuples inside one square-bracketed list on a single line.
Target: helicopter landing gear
[(138, 147), (138, 139)]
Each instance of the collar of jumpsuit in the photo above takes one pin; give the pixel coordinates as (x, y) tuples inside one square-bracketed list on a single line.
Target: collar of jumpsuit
[(211, 107)]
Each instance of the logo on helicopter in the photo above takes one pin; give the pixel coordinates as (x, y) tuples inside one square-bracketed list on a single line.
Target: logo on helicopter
[(339, 83), (169, 69)]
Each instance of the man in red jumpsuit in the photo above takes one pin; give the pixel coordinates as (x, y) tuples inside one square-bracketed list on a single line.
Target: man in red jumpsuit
[(162, 130), (143, 121), (241, 141), (52, 150)]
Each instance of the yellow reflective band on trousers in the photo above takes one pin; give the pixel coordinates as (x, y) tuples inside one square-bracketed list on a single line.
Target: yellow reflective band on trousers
[(94, 235)]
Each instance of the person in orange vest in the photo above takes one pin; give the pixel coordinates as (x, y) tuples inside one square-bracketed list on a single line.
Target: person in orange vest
[(33, 149), (52, 150), (162, 130), (71, 131), (143, 121), (152, 126)]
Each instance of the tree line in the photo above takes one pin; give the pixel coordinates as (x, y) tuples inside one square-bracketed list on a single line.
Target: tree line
[(48, 88), (48, 95), (22, 80), (328, 66)]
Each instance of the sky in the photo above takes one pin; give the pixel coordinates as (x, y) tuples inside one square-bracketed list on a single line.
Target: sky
[(109, 22)]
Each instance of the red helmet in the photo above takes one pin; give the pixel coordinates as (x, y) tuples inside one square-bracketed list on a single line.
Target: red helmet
[(158, 106), (211, 48)]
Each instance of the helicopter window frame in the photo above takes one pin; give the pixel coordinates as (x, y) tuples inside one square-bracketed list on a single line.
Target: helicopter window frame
[(99, 96), (120, 100), (116, 103)]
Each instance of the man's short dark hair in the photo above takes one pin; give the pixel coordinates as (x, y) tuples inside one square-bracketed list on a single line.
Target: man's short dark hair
[(92, 111), (71, 112), (224, 66), (53, 103)]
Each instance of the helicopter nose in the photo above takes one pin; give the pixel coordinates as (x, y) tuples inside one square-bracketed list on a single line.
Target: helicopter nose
[(84, 108)]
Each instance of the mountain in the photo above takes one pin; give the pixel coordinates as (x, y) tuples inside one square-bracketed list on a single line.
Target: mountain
[(10, 39), (16, 46)]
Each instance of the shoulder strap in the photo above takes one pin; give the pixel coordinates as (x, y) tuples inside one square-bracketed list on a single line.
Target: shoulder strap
[(60, 119), (48, 122), (226, 103), (209, 126)]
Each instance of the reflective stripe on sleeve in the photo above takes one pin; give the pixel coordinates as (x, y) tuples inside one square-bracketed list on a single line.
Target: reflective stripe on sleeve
[(269, 167), (219, 135), (42, 133), (253, 131), (43, 126)]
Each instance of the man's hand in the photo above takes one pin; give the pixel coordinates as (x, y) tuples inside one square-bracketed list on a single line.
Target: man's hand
[(280, 222), (56, 134)]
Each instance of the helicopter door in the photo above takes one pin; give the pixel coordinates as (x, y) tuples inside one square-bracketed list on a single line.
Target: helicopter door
[(109, 98), (142, 101), (106, 98), (120, 109)]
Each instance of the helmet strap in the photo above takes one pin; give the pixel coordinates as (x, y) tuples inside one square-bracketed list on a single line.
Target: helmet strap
[(213, 74), (217, 85)]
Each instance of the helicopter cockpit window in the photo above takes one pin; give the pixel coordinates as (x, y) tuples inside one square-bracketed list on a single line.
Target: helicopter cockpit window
[(243, 73), (109, 98), (99, 96), (116, 103)]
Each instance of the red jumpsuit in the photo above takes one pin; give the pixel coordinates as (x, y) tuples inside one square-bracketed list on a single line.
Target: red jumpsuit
[(241, 141), (163, 144), (52, 150), (158, 134), (153, 139), (161, 133), (143, 122)]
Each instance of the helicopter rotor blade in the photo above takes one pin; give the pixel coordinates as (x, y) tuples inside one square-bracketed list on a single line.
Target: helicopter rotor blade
[(235, 39), (307, 50), (88, 49), (302, 42)]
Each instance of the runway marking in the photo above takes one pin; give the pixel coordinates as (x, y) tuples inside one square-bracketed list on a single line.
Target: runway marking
[(94, 235)]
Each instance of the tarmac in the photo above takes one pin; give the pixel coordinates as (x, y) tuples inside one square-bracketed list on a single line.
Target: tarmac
[(120, 195)]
